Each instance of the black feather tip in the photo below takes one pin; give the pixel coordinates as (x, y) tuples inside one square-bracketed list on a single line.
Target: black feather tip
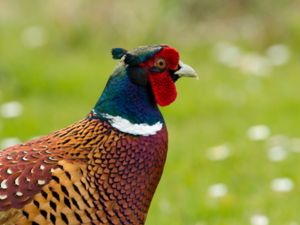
[(118, 53)]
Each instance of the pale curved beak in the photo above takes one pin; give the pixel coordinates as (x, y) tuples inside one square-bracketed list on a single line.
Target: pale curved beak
[(186, 71)]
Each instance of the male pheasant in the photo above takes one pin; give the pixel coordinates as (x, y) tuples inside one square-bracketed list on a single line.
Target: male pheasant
[(105, 168)]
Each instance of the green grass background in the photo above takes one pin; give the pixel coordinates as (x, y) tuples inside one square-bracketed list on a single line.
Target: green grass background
[(59, 82)]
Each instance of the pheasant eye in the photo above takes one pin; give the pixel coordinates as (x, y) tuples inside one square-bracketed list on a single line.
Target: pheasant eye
[(160, 63)]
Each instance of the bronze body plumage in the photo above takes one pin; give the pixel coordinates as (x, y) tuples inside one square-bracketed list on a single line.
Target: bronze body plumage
[(109, 178)]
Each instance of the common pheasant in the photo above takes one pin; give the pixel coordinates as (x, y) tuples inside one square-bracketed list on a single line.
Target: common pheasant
[(105, 168)]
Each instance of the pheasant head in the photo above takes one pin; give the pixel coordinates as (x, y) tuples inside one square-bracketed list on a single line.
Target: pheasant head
[(156, 66)]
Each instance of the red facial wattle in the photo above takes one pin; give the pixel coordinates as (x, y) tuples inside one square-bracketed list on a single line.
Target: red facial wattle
[(163, 88), (162, 84)]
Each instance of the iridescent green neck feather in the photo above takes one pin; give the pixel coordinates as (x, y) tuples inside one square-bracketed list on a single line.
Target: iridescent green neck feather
[(121, 97)]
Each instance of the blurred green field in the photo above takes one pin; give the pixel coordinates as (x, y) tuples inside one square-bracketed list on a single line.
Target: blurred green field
[(55, 60)]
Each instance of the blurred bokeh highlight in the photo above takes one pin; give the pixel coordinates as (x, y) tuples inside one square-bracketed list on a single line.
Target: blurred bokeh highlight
[(234, 155)]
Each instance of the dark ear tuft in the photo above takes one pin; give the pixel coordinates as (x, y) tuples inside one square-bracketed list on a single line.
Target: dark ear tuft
[(131, 59), (118, 53)]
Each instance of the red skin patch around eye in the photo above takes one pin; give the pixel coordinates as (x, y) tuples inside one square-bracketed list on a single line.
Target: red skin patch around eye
[(162, 84)]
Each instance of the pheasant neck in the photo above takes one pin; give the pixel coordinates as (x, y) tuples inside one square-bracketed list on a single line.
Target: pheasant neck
[(123, 101)]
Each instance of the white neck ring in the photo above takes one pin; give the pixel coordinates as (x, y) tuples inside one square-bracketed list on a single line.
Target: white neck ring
[(126, 126)]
